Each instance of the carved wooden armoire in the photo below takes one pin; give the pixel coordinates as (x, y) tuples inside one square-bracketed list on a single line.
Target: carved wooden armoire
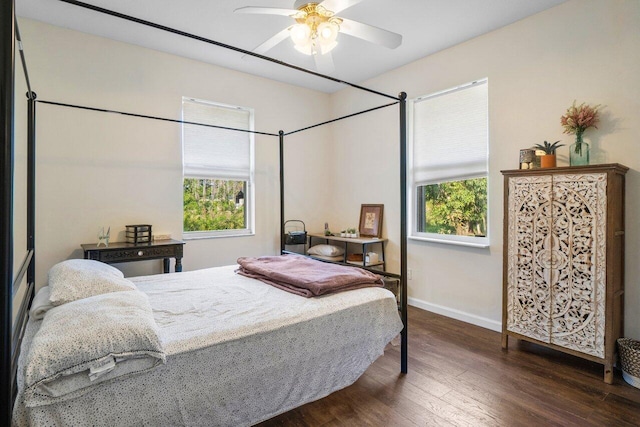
[(563, 271)]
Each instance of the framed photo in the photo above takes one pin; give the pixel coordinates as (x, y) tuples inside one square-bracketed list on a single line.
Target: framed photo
[(371, 220)]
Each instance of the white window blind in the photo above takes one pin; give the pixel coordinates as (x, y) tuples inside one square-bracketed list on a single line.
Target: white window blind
[(450, 133), (212, 152)]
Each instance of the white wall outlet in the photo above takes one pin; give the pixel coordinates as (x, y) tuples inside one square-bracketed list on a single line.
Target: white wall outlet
[(409, 274)]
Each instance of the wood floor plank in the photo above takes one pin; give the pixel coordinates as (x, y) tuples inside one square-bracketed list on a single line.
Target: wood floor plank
[(460, 376), (425, 403)]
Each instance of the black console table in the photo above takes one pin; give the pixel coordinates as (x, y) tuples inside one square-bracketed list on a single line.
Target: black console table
[(128, 252)]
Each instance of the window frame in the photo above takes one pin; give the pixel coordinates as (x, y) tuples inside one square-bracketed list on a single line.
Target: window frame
[(249, 193), (412, 185)]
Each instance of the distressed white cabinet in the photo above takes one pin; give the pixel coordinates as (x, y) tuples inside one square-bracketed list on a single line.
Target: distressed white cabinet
[(564, 259)]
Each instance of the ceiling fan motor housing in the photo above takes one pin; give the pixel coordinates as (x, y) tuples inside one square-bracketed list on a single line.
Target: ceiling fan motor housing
[(299, 4)]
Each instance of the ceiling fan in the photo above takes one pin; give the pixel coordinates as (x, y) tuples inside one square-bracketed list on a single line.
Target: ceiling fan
[(317, 27)]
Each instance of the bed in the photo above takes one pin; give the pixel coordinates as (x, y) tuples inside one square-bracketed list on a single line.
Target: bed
[(18, 278), (238, 351)]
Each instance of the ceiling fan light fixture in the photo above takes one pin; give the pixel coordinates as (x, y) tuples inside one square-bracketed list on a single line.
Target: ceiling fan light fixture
[(328, 32), (300, 34), (316, 31)]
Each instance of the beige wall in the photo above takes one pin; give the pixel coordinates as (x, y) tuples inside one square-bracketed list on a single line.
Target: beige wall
[(587, 50), (98, 169)]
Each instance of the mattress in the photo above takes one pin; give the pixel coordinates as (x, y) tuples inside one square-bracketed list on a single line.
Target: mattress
[(238, 352)]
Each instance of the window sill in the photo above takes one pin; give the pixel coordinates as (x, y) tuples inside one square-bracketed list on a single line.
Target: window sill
[(481, 245), (190, 235)]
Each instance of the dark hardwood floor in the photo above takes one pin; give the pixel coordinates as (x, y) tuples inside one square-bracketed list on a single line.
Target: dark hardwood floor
[(459, 376)]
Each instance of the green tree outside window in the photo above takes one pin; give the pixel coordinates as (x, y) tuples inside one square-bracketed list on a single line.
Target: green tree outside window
[(455, 208), (210, 204)]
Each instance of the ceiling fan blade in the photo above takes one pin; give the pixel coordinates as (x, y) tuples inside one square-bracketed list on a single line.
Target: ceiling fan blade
[(266, 10), (370, 33), (337, 6), (324, 63), (272, 42)]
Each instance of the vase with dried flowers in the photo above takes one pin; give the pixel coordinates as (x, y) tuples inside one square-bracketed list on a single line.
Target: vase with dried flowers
[(576, 120), (549, 158)]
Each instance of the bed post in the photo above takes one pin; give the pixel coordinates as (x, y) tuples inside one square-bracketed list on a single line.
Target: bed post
[(281, 136), (31, 183), (7, 46), (403, 228)]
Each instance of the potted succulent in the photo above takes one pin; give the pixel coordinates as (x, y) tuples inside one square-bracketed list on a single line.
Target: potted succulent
[(343, 233), (351, 232), (549, 159)]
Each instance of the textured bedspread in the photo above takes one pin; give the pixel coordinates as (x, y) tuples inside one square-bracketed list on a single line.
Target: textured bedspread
[(238, 352), (306, 277)]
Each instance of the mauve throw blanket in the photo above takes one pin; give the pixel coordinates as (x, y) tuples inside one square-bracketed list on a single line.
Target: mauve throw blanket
[(305, 276)]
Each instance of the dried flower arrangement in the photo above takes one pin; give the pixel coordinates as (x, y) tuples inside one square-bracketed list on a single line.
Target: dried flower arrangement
[(579, 118)]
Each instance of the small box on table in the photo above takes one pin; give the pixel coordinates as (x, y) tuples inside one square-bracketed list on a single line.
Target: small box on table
[(139, 233)]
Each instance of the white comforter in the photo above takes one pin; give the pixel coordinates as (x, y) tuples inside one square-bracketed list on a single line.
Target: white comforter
[(238, 352)]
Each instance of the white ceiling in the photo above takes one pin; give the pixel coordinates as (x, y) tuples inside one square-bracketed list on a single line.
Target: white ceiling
[(427, 26)]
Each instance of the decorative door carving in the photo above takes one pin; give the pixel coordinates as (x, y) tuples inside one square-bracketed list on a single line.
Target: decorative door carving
[(578, 294), (529, 295), (557, 259)]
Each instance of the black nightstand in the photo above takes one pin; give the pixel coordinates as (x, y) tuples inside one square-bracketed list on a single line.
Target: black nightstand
[(129, 252)]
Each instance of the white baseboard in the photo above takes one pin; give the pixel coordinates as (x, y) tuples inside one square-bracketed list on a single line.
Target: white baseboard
[(456, 314)]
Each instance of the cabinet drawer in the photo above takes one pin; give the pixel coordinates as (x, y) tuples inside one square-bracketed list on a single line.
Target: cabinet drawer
[(133, 254)]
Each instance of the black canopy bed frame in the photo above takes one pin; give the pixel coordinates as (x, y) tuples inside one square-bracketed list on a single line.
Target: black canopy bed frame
[(10, 281)]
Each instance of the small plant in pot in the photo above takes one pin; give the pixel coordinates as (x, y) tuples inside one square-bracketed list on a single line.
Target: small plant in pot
[(549, 159)]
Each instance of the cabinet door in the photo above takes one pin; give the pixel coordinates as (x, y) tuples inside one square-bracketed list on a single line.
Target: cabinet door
[(578, 256), (529, 267)]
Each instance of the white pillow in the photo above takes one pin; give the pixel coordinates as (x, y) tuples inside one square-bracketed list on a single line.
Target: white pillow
[(41, 304), (326, 250), (76, 279), (90, 341)]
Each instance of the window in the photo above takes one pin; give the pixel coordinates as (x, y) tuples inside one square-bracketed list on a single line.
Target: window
[(218, 169), (449, 165)]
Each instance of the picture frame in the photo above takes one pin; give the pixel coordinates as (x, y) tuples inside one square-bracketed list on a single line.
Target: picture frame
[(371, 220)]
